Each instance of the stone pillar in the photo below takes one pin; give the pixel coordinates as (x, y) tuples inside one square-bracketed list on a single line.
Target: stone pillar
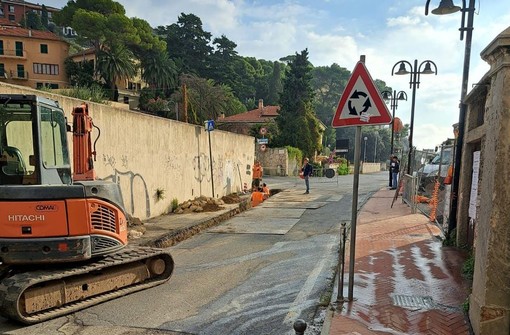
[(489, 309)]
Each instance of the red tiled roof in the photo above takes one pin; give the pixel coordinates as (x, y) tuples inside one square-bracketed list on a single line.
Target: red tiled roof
[(6, 22), (254, 116), (28, 33)]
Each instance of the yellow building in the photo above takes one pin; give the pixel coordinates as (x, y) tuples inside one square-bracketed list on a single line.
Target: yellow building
[(128, 88), (31, 57)]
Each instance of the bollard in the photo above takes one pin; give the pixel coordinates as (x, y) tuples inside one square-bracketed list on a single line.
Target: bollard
[(341, 265), (299, 327)]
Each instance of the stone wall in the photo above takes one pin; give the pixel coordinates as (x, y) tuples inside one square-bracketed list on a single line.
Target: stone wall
[(276, 162), (145, 153), (488, 131)]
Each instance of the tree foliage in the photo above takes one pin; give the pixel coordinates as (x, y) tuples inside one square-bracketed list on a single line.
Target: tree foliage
[(206, 99), (188, 41), (114, 63), (299, 127)]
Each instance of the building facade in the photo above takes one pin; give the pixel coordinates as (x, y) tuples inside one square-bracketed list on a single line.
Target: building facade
[(31, 57)]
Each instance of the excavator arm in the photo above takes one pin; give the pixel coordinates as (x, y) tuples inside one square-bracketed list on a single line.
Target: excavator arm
[(83, 155)]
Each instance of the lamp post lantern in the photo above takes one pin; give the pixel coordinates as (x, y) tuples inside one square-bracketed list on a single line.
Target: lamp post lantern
[(393, 98), (447, 7), (425, 67)]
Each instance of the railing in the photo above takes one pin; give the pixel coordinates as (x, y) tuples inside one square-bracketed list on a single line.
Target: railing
[(23, 75), (12, 53), (409, 191)]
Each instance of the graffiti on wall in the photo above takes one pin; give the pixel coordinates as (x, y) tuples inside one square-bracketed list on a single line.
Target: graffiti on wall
[(226, 172), (133, 184)]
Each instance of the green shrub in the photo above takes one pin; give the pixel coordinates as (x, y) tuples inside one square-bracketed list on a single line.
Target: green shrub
[(343, 167), (175, 204), (94, 93), (468, 268), (294, 153), (160, 194)]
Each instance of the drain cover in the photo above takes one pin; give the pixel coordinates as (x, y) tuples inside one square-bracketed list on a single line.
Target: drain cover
[(413, 302)]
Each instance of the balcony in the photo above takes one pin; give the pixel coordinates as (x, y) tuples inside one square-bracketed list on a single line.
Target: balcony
[(13, 54), (20, 75)]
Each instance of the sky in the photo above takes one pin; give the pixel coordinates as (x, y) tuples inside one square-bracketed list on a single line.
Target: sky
[(340, 31)]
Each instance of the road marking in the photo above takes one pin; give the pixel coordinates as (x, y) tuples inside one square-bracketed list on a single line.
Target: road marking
[(302, 297)]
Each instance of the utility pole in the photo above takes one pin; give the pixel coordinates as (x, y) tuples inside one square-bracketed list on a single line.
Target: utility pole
[(185, 102)]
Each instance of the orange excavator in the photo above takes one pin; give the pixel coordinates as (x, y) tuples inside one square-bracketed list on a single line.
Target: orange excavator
[(63, 232)]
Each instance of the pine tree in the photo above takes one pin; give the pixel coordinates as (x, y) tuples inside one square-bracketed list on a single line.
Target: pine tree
[(299, 127)]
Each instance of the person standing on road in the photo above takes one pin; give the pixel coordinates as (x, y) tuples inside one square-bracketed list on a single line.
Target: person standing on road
[(395, 169), (256, 175), (307, 172)]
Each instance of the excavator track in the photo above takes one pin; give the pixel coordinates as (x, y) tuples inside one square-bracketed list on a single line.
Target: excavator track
[(35, 296)]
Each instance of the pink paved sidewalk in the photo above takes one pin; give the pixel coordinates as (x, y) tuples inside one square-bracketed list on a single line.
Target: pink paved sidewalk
[(405, 281)]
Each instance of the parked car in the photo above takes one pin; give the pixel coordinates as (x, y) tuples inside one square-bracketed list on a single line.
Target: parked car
[(436, 167)]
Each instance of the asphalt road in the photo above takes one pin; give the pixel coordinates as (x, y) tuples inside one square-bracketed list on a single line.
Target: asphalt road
[(253, 274)]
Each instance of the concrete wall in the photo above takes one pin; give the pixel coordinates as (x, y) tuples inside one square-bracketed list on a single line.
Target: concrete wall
[(144, 153), (488, 131), (371, 167)]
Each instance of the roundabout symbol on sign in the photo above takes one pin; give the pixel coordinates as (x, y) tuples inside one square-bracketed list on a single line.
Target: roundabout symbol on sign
[(366, 105)]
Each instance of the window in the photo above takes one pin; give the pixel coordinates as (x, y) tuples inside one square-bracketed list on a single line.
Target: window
[(48, 85), (2, 70), (11, 9), (2, 12), (53, 138), (51, 69), (19, 48), (21, 70), (1, 47), (12, 17), (44, 48)]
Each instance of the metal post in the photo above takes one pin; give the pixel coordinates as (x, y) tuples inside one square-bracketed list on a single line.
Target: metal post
[(393, 106), (299, 326), (452, 223), (211, 160), (414, 75), (375, 149), (354, 210), (365, 150), (341, 265)]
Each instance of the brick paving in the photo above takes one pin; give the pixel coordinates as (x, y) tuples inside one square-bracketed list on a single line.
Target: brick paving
[(405, 281)]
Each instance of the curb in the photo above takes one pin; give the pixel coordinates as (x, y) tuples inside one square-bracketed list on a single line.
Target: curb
[(179, 235)]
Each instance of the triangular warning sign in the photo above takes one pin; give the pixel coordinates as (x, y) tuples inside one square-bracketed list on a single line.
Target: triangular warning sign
[(361, 104)]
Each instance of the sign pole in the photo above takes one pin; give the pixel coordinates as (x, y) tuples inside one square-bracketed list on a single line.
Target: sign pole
[(209, 126), (360, 104), (354, 210), (210, 159)]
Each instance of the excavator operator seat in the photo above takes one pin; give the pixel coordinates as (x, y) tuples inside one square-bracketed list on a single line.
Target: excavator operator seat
[(12, 165)]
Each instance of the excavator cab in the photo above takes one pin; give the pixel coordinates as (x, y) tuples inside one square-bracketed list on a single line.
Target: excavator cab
[(33, 142)]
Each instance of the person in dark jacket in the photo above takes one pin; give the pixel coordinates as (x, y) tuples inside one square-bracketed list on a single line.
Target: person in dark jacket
[(307, 173), (395, 169)]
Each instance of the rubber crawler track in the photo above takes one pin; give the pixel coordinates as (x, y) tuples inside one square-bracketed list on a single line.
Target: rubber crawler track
[(13, 287)]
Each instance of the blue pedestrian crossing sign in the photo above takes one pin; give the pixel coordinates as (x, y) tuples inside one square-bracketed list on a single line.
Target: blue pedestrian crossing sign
[(209, 125)]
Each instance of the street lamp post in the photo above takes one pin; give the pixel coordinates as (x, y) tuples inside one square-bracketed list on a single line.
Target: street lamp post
[(447, 7), (365, 150), (393, 98), (375, 149), (414, 83)]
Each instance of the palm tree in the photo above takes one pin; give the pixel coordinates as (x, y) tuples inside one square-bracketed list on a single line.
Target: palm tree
[(114, 63), (158, 70)]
